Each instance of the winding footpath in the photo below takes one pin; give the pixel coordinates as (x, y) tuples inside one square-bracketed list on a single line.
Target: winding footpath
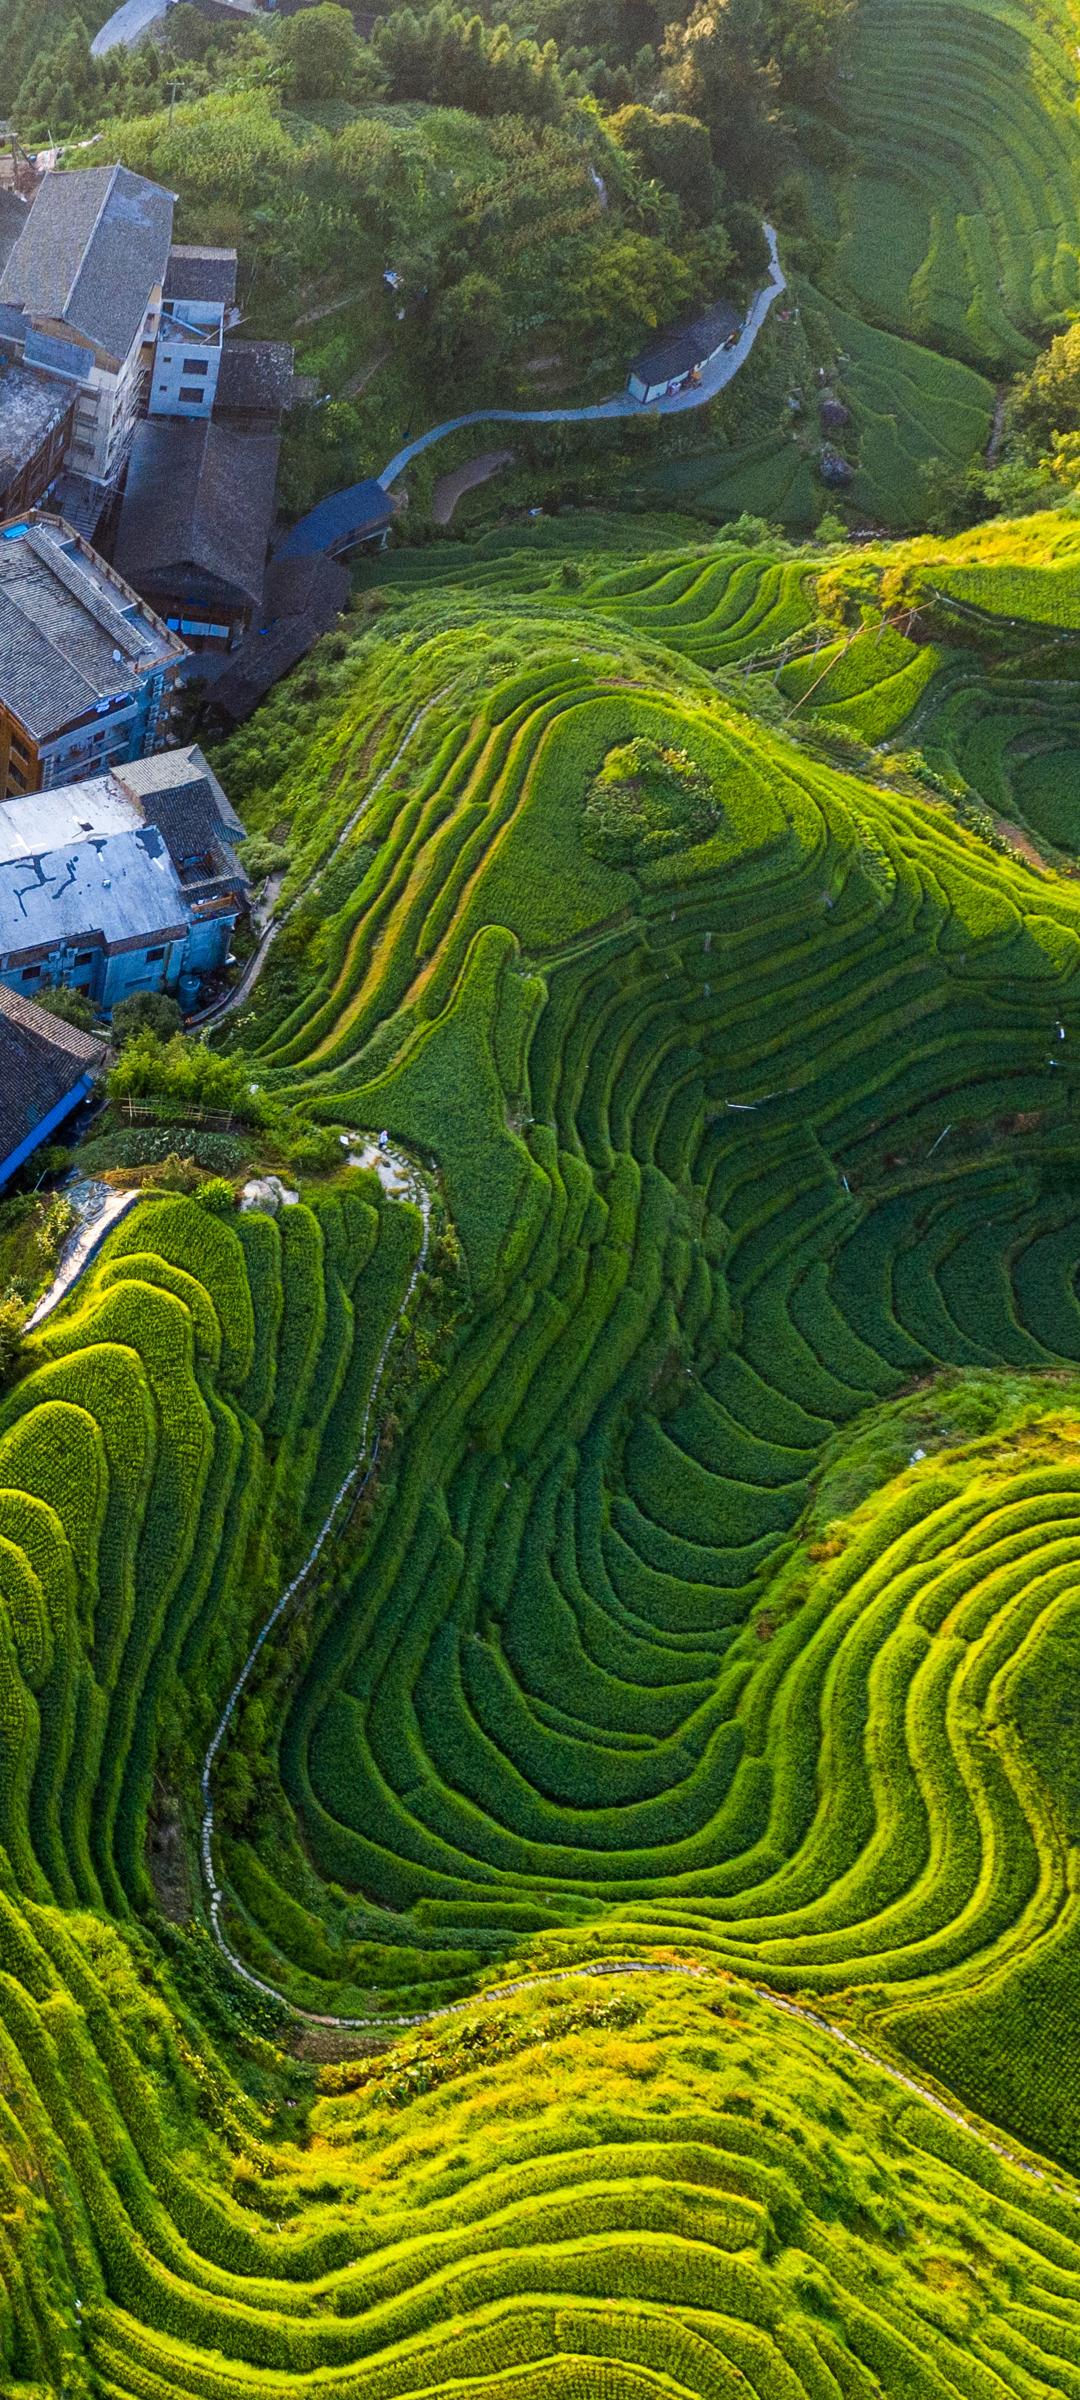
[(400, 1173), (218, 1010), (715, 376), (336, 523)]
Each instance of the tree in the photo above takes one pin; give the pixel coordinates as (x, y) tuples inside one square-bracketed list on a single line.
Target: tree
[(712, 69), (319, 53), (1047, 401), (145, 1012), (676, 150), (469, 326), (802, 38), (627, 285), (74, 1007), (12, 1321)]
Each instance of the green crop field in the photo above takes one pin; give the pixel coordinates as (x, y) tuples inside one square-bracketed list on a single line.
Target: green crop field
[(711, 1607), (960, 225)]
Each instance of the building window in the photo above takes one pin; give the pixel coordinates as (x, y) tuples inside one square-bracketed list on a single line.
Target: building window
[(84, 958), (30, 974), (192, 391), (196, 366), (152, 956)]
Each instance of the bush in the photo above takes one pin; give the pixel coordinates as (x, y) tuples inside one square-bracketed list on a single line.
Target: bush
[(60, 1000), (647, 800), (146, 1012)]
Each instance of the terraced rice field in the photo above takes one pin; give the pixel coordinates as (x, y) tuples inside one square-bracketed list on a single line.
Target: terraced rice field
[(959, 227), (714, 1607)]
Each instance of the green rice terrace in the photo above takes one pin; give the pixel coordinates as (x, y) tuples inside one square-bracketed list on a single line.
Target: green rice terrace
[(540, 1784)]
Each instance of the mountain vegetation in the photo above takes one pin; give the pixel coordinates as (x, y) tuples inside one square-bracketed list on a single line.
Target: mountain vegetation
[(707, 1599), (539, 1750)]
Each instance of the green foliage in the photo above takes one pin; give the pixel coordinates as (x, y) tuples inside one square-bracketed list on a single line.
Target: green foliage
[(59, 1000), (145, 1012), (647, 801), (318, 54)]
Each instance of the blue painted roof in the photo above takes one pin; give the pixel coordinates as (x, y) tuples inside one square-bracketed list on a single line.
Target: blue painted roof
[(344, 517)]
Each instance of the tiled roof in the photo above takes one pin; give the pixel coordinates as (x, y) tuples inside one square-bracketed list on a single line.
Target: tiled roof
[(13, 215), (196, 273), (303, 598), (684, 347), (42, 1060), (95, 244), (255, 378), (31, 408), (68, 636), (198, 494)]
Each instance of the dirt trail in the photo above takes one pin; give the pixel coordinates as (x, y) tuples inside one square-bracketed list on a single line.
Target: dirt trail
[(452, 487)]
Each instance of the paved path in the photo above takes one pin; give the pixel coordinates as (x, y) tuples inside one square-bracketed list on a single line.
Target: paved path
[(99, 1208), (714, 378), (400, 1177), (127, 25)]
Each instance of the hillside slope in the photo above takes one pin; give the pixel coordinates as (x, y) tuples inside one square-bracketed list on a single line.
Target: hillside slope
[(713, 1605)]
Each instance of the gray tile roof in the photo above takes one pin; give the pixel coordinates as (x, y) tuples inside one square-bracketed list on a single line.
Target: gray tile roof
[(168, 770), (61, 621), (13, 215), (303, 598), (31, 408), (94, 246), (42, 1060), (198, 494), (197, 273), (256, 378), (683, 347)]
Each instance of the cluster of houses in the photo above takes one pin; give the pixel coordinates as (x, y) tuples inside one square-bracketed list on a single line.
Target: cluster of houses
[(132, 418), (139, 441)]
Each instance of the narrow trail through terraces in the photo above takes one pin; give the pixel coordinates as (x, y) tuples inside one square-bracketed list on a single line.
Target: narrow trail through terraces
[(401, 1178)]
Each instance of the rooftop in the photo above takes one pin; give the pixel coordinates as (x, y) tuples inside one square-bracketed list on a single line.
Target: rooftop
[(256, 378), (199, 495), (93, 248), (41, 1061), (13, 215), (32, 405), (348, 516), (683, 347), (196, 273), (70, 635), (120, 885), (303, 598), (168, 770), (44, 874), (38, 821)]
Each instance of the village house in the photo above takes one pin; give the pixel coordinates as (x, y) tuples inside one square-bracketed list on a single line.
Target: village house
[(88, 269), (127, 883), (199, 497), (47, 1070), (86, 667), (195, 525), (673, 359)]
